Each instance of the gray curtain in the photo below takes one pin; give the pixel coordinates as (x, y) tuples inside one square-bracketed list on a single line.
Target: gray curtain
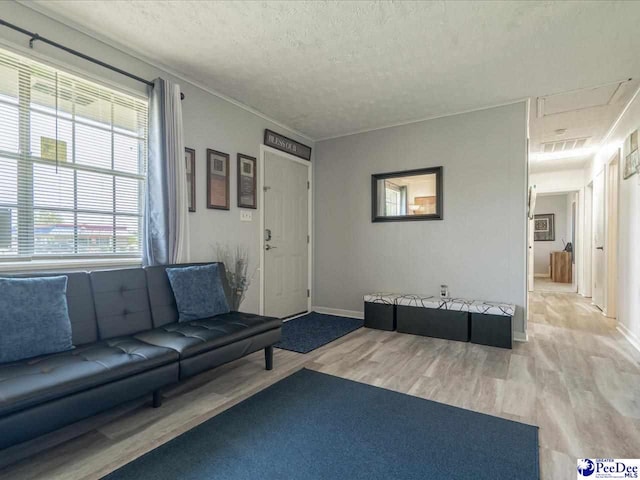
[(166, 221)]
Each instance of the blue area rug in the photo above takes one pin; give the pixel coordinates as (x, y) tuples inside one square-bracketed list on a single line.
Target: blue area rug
[(313, 330), (316, 426)]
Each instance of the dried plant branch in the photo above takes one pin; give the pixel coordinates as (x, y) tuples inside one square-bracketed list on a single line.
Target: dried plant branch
[(236, 262)]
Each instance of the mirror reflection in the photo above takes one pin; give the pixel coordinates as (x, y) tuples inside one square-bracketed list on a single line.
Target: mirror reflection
[(413, 195)]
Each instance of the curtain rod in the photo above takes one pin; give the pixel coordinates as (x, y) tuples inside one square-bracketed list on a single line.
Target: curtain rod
[(35, 37)]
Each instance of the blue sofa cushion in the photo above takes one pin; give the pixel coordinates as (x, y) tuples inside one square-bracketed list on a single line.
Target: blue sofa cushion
[(198, 291), (34, 319)]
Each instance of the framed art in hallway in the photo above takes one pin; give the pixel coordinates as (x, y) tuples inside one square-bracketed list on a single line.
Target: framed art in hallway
[(190, 159), (247, 197), (217, 180), (544, 227), (632, 157)]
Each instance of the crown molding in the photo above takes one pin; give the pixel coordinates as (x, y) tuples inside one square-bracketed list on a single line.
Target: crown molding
[(434, 117), (614, 125), (158, 65)]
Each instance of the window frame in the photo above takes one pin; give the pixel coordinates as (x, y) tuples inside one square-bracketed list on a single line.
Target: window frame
[(29, 259)]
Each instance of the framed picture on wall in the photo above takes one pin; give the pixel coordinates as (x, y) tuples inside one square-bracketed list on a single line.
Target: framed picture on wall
[(632, 158), (544, 229), (190, 159), (217, 180), (247, 175)]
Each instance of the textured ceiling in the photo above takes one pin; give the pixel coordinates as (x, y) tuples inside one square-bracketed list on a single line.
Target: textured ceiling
[(333, 68)]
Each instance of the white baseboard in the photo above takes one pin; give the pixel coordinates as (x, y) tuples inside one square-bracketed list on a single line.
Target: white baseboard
[(541, 275), (338, 312), (629, 335), (520, 337)]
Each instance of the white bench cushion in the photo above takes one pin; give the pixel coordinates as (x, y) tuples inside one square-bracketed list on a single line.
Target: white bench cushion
[(385, 298), (431, 301), (492, 308)]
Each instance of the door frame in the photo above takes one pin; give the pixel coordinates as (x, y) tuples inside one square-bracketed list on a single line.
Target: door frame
[(261, 241), (612, 189), (603, 172), (588, 242)]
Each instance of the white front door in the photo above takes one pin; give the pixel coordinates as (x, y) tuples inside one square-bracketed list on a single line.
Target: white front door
[(599, 279), (286, 224)]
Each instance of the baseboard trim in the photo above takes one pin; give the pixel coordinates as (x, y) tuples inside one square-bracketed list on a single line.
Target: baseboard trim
[(520, 337), (338, 312), (630, 336)]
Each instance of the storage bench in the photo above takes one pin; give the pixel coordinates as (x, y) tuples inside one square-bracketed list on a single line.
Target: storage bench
[(380, 311), (477, 321), (433, 316), (491, 323)]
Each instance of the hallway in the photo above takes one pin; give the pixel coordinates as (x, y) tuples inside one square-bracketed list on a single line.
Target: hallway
[(588, 384), (544, 284)]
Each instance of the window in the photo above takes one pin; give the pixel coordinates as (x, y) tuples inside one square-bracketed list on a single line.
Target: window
[(395, 199), (72, 165)]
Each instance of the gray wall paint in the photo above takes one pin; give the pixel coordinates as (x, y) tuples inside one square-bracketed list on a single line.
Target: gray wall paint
[(556, 204), (209, 122), (478, 249)]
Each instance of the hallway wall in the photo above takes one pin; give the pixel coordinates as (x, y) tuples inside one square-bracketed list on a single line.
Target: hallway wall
[(628, 298)]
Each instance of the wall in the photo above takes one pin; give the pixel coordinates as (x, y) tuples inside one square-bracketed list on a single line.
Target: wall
[(628, 297), (209, 122), (558, 181), (556, 204), (478, 249)]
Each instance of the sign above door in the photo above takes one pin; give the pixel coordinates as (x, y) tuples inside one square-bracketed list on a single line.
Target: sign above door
[(284, 144)]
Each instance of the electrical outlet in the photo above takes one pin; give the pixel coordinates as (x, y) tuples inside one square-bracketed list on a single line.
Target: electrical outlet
[(246, 215)]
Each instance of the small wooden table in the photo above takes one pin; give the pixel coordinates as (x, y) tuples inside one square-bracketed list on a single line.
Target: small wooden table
[(561, 267)]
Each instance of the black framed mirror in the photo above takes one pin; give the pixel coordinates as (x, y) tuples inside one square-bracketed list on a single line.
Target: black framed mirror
[(407, 196)]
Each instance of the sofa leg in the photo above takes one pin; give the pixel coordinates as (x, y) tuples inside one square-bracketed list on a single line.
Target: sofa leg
[(157, 399), (268, 358)]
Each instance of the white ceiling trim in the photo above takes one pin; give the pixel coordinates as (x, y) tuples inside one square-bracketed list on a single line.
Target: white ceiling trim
[(127, 51), (434, 117), (621, 84), (605, 139)]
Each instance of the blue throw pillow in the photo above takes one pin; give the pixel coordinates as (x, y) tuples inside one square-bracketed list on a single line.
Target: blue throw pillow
[(198, 291), (34, 319)]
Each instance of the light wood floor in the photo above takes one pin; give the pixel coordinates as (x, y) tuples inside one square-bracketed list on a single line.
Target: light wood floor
[(576, 378), (545, 284)]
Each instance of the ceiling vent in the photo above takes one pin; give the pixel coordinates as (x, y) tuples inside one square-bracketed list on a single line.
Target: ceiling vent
[(564, 145)]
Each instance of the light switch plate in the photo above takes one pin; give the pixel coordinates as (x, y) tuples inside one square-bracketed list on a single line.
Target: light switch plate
[(246, 215)]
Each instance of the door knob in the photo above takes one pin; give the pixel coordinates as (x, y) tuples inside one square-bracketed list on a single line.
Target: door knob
[(269, 247), (599, 248)]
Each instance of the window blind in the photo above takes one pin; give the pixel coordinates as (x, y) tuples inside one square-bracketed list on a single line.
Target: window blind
[(72, 165)]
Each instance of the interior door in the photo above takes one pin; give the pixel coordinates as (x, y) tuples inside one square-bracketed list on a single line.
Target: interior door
[(286, 223), (530, 241), (599, 279), (531, 256)]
